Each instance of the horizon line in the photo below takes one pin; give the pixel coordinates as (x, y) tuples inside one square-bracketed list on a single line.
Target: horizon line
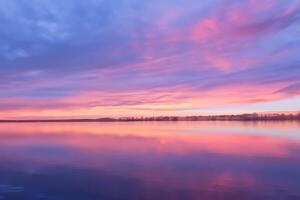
[(254, 116)]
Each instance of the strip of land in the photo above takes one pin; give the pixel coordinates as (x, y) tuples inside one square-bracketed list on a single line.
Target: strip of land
[(241, 117)]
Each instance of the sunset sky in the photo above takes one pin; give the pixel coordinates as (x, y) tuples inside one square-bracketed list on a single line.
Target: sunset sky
[(95, 58)]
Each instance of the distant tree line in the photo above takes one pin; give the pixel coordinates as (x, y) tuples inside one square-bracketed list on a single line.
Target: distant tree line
[(242, 117)]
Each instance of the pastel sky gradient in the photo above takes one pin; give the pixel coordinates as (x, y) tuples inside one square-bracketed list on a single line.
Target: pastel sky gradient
[(94, 58)]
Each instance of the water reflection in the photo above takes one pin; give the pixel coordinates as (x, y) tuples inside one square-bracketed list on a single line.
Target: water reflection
[(160, 160)]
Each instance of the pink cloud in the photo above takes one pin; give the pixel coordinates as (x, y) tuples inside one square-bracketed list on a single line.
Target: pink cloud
[(157, 101), (207, 28)]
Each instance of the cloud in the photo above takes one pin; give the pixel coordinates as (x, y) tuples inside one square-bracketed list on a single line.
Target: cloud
[(292, 89), (133, 56)]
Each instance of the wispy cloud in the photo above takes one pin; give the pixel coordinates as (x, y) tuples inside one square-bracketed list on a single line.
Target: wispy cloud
[(134, 57)]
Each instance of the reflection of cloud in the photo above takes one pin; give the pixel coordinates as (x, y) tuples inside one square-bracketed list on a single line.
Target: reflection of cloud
[(159, 158), (172, 138), (8, 189)]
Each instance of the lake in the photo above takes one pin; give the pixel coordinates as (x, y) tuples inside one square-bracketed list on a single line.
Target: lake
[(150, 160)]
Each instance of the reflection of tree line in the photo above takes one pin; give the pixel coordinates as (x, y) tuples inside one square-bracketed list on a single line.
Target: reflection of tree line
[(242, 117)]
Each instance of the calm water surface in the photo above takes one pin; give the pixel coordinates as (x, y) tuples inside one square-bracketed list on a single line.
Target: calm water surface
[(144, 160)]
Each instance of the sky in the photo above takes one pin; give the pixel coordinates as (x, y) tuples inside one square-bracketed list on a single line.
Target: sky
[(114, 58)]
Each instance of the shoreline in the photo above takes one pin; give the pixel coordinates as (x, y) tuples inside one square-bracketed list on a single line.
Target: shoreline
[(244, 117)]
